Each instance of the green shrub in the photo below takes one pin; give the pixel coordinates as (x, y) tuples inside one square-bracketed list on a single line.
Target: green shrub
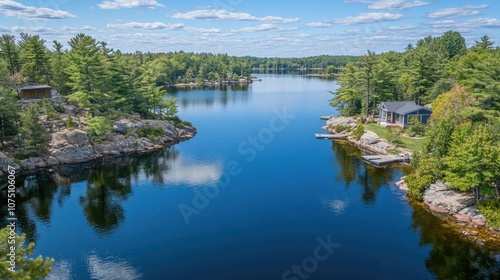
[(47, 109), (98, 128), (340, 127), (59, 108), (358, 131), (491, 211), (69, 123), (151, 132), (427, 174), (417, 185), (416, 128)]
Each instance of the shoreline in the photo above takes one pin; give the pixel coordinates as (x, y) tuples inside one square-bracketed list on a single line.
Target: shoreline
[(75, 146), (457, 209)]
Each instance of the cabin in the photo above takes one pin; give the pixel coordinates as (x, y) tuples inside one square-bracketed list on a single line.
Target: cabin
[(400, 113), (34, 92)]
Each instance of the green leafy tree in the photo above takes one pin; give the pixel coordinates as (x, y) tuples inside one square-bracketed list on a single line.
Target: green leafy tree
[(348, 96), (473, 161), (33, 132), (26, 268), (453, 43)]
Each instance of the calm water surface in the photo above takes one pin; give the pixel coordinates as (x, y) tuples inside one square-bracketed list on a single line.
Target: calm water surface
[(253, 196)]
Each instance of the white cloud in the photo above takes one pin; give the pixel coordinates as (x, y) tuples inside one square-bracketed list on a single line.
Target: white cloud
[(467, 24), (262, 27), (226, 15), (369, 18), (119, 4), (457, 12), (18, 10), (390, 4), (146, 25), (403, 27), (320, 24)]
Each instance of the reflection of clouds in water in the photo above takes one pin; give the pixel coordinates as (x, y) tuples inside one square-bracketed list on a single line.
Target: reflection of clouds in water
[(337, 206), (193, 173), (61, 270), (111, 268)]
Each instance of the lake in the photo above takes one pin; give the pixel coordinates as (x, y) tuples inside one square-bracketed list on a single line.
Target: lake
[(252, 196)]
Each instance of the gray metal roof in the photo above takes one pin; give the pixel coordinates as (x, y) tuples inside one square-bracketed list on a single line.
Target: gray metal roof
[(395, 106), (402, 107)]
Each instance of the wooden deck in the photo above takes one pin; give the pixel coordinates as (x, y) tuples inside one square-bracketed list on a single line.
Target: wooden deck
[(330, 136), (379, 160)]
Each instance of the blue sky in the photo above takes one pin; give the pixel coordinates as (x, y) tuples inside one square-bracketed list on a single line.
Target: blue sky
[(253, 27)]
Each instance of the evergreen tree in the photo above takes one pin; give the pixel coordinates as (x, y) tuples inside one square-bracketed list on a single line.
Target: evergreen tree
[(58, 65), (367, 63), (8, 113), (9, 51), (33, 132), (348, 96), (35, 58), (26, 267)]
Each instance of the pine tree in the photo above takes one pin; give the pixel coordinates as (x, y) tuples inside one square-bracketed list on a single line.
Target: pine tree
[(368, 62), (33, 132), (348, 96), (8, 113), (35, 58), (9, 51), (26, 267)]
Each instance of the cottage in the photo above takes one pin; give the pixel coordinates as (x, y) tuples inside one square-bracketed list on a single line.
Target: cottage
[(30, 92), (400, 113)]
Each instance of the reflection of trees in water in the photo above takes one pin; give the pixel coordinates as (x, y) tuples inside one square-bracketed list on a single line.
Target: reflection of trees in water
[(35, 194), (353, 169), (209, 97), (451, 256), (109, 183)]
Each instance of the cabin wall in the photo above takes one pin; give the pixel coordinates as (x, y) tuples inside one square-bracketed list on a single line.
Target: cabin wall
[(35, 93)]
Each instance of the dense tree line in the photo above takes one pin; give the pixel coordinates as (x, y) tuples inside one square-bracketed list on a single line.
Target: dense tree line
[(317, 62)]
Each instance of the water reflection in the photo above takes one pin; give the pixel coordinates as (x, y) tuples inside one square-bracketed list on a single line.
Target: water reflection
[(111, 268), (452, 257), (352, 169), (208, 98), (108, 184), (34, 199)]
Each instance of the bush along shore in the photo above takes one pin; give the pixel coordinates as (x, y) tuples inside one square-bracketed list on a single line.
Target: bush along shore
[(72, 136), (458, 208)]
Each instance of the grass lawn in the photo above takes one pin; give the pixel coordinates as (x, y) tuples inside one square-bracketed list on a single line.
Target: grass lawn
[(403, 142)]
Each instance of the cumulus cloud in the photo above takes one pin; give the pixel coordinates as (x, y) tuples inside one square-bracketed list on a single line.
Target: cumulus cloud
[(146, 25), (467, 24), (403, 27), (390, 4), (457, 12), (369, 18), (226, 15), (119, 4), (320, 24), (18, 10)]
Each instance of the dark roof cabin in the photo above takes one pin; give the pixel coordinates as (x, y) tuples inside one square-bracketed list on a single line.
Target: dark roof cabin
[(31, 92), (400, 113)]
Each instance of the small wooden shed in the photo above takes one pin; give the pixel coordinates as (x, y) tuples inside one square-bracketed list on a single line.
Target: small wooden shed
[(34, 92)]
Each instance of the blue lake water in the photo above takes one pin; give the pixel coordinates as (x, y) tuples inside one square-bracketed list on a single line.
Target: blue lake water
[(253, 196)]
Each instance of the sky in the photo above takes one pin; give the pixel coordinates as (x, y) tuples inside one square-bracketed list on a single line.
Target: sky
[(253, 27)]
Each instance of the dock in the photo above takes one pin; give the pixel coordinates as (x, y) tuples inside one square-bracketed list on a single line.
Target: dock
[(379, 160), (325, 118), (330, 136)]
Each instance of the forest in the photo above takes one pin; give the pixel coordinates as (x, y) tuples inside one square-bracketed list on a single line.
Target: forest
[(462, 87)]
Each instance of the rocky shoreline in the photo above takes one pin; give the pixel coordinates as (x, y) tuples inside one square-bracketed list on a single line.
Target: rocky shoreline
[(68, 146), (459, 208), (368, 142)]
